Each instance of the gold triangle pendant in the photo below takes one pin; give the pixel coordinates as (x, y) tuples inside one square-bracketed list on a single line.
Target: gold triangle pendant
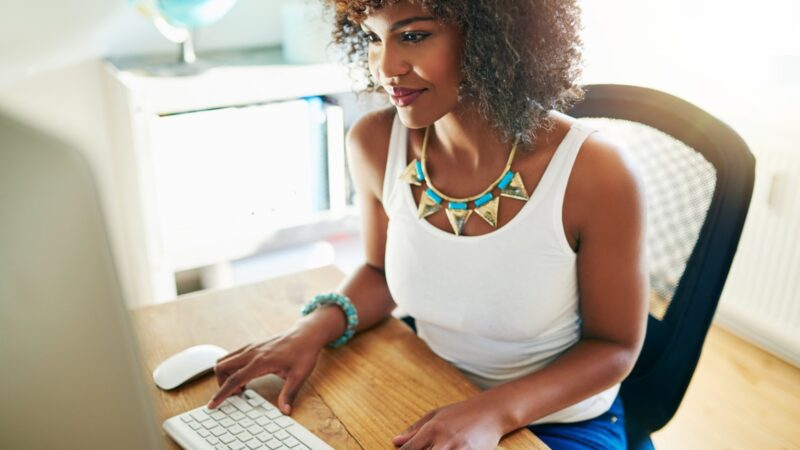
[(410, 174), (489, 211), (457, 218), (427, 206), (515, 189)]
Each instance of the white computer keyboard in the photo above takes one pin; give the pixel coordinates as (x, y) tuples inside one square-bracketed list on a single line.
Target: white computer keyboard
[(244, 421)]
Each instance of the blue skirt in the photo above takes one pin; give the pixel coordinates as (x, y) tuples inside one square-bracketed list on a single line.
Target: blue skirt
[(604, 432)]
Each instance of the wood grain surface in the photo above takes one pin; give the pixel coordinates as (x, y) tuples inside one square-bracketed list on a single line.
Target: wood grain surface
[(358, 397)]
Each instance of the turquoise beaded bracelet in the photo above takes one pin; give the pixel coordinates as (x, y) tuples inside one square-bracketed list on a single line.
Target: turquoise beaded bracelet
[(347, 307)]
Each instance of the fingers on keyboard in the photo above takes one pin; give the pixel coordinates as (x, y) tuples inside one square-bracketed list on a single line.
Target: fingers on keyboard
[(238, 380), (248, 421)]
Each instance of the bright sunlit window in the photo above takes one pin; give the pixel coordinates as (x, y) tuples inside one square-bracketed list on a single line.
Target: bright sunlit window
[(730, 58)]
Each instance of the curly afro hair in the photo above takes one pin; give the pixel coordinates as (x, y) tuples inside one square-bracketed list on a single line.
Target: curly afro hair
[(521, 57)]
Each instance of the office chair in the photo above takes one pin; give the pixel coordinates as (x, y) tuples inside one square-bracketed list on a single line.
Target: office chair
[(698, 176)]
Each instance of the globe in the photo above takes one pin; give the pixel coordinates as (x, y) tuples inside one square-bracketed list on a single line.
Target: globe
[(193, 13), (176, 20)]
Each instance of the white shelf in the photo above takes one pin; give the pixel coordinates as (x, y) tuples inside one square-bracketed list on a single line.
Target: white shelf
[(243, 78), (141, 105)]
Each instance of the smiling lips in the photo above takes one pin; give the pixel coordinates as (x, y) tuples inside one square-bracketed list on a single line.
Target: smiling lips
[(404, 96)]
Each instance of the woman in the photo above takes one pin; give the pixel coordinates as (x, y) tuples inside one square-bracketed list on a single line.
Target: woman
[(510, 231)]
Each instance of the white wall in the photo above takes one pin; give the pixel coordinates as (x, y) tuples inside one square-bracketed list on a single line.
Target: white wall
[(44, 35)]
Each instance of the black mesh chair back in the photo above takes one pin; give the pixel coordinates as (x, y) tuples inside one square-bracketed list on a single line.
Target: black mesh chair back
[(698, 177)]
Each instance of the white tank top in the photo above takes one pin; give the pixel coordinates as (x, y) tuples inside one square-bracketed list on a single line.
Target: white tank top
[(497, 306)]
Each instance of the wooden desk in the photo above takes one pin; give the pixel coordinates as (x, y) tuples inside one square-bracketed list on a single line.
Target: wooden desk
[(358, 397)]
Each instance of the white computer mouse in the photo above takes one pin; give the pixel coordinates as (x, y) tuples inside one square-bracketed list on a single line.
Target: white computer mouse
[(187, 365)]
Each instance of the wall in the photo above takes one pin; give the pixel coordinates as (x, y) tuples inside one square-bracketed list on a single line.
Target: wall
[(43, 35)]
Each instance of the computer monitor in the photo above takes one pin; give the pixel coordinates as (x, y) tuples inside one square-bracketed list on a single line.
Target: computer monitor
[(70, 372)]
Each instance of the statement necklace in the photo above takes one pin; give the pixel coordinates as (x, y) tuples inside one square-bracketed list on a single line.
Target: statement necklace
[(458, 211)]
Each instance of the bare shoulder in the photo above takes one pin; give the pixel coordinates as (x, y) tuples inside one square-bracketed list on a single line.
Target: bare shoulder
[(606, 165), (605, 180), (367, 148), (601, 160)]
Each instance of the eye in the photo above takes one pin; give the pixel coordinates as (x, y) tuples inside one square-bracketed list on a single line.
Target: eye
[(371, 37), (414, 36)]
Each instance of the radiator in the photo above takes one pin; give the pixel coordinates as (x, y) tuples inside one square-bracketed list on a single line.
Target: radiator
[(761, 299)]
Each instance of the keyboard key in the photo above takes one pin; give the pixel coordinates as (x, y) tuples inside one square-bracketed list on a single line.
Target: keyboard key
[(263, 421), (186, 418), (236, 446), (227, 422), (203, 433), (255, 445), (263, 436), (252, 395), (237, 416), (199, 416), (244, 436), (195, 425), (291, 442), (255, 414), (272, 428), (274, 414), (210, 424), (245, 423), (284, 422), (227, 438), (282, 435), (235, 429), (268, 406), (240, 404), (274, 443), (218, 415), (228, 409), (212, 440), (253, 402), (217, 431), (254, 429)]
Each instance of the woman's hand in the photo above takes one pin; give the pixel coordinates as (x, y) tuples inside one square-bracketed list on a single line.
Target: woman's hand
[(463, 425), (291, 355)]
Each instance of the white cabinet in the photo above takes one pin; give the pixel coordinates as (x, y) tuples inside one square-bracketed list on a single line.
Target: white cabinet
[(211, 167)]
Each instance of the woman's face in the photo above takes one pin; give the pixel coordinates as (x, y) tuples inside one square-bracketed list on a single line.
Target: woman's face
[(417, 59)]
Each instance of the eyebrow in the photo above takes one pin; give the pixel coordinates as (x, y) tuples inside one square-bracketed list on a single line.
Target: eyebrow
[(401, 23)]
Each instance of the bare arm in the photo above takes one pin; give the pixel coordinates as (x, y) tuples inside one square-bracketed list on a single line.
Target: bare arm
[(367, 144), (366, 288), (292, 354)]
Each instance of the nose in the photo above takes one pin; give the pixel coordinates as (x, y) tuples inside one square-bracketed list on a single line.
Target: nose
[(390, 62)]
